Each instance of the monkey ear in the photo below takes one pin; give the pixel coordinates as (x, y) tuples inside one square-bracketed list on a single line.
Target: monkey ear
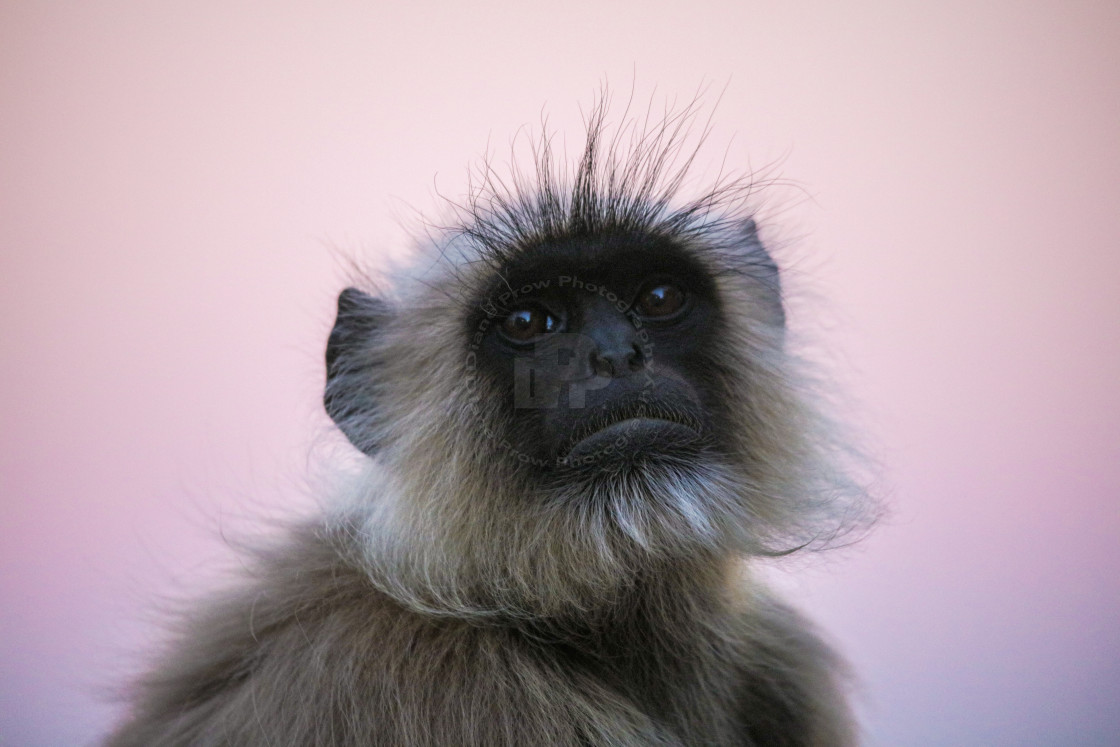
[(762, 267), (350, 394)]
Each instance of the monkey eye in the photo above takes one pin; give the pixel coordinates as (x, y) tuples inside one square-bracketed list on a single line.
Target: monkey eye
[(660, 300), (528, 323)]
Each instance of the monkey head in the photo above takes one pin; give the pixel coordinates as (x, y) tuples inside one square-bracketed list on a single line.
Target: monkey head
[(574, 382)]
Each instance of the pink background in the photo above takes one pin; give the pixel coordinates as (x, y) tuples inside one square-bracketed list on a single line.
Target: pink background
[(176, 182)]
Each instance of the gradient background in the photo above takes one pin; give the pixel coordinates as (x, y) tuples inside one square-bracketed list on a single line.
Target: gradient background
[(176, 182)]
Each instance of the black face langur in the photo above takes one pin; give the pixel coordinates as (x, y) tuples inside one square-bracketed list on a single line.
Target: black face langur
[(581, 422)]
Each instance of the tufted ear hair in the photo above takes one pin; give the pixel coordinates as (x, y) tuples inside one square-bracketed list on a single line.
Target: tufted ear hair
[(759, 265), (350, 395)]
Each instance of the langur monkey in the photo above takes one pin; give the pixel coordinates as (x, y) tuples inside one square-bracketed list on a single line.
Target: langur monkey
[(579, 422)]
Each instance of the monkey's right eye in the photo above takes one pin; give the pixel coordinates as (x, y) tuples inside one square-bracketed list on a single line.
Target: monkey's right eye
[(529, 323)]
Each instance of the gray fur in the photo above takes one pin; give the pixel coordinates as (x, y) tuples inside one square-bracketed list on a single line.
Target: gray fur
[(447, 600)]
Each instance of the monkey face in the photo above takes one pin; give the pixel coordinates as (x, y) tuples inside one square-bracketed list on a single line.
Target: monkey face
[(577, 359), (596, 350)]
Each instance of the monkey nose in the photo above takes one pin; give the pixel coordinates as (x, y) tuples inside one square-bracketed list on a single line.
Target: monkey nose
[(617, 361), (616, 349)]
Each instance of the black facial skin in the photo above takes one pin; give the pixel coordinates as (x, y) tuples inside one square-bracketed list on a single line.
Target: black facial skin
[(598, 350)]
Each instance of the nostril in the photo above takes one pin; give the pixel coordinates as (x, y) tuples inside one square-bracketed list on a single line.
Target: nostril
[(602, 365), (637, 358)]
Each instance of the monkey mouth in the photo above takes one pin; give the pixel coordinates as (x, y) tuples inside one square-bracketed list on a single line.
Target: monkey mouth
[(635, 430)]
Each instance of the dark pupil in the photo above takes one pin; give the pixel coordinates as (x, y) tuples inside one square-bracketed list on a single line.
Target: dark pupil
[(661, 300), (525, 324)]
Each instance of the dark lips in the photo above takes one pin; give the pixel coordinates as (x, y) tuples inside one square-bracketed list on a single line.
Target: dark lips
[(632, 430), (634, 437)]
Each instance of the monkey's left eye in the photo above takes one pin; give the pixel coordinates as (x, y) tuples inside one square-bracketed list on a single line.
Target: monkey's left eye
[(660, 300), (528, 323)]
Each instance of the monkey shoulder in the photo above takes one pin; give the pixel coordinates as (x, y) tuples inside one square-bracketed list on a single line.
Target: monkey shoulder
[(791, 684), (274, 659), (309, 652)]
